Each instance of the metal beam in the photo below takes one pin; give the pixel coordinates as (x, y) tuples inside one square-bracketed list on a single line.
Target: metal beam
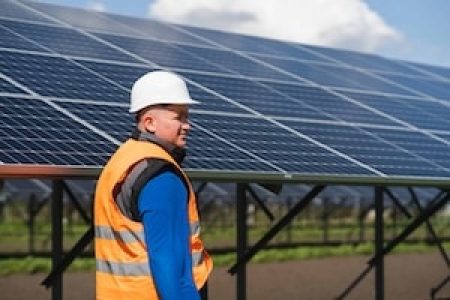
[(430, 228), (276, 228), (260, 203), (76, 203)]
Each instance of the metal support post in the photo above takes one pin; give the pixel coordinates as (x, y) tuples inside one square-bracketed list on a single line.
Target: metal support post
[(31, 216), (379, 243), (57, 234), (241, 240)]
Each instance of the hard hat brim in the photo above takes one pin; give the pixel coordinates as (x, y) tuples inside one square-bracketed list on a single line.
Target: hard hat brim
[(156, 102)]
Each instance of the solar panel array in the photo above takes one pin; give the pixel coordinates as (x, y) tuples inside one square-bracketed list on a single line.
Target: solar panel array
[(267, 107)]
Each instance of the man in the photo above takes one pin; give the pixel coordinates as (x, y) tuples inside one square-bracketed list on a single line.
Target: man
[(147, 243)]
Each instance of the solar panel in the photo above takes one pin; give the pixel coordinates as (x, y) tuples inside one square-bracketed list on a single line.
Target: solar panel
[(58, 77), (67, 41), (331, 105), (254, 45), (10, 9), (373, 147), (33, 132), (335, 76), (81, 18), (211, 153), (364, 61), (422, 113), (267, 107), (433, 70), (427, 86), (13, 40), (161, 54), (418, 144), (255, 96), (125, 75), (111, 119), (7, 87), (237, 64), (277, 146), (159, 30)]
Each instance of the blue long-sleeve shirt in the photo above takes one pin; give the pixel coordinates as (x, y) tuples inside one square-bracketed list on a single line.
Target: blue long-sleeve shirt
[(162, 205)]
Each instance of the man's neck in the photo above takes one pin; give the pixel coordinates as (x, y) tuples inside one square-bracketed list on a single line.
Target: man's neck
[(176, 152)]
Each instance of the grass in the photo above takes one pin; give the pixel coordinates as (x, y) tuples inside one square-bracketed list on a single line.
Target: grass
[(31, 265), (14, 239)]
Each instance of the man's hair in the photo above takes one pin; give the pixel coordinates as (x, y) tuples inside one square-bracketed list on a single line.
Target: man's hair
[(142, 112)]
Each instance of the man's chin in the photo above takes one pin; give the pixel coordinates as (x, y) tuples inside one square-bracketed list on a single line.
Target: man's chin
[(181, 144)]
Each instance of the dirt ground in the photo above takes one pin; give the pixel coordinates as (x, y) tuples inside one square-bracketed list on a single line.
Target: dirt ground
[(407, 276)]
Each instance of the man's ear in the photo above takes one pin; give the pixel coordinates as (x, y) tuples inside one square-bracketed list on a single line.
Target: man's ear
[(148, 122)]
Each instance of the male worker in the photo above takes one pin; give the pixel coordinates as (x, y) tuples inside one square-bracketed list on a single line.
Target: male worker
[(147, 243)]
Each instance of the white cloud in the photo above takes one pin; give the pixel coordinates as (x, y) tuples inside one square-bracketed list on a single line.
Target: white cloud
[(96, 5), (347, 24)]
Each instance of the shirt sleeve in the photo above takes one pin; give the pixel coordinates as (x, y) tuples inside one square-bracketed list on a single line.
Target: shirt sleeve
[(162, 205)]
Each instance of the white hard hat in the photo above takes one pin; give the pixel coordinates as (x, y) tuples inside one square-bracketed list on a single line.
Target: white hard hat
[(159, 87)]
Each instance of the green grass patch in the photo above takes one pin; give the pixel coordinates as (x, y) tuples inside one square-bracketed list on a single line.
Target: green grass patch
[(31, 265)]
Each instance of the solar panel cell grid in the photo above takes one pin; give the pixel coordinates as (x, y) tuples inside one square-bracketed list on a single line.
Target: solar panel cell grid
[(256, 96), (53, 76), (54, 140), (235, 63), (368, 149), (67, 41), (161, 54), (435, 88), (207, 152), (254, 44), (364, 61), (14, 41), (335, 106), (335, 76), (6, 87), (81, 18), (10, 9), (418, 144), (115, 121), (420, 113), (158, 30), (441, 71), (278, 146), (124, 75), (211, 102)]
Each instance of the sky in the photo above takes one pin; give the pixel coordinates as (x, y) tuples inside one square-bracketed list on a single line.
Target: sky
[(413, 30)]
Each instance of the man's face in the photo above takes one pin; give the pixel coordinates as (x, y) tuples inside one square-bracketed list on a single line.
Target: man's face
[(169, 123)]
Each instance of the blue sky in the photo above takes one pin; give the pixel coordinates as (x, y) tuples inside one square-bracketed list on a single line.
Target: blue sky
[(414, 30)]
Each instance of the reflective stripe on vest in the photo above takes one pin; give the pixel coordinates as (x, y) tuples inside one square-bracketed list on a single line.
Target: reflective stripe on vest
[(195, 228), (122, 269), (105, 232)]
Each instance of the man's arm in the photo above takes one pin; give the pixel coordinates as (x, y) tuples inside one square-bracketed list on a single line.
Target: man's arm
[(162, 205)]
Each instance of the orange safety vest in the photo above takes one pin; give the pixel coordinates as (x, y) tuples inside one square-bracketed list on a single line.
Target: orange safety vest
[(122, 269)]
